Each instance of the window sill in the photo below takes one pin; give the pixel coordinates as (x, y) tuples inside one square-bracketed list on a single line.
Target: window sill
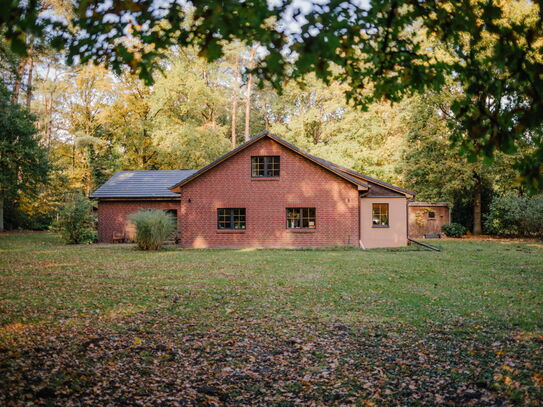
[(380, 226), (301, 230), (230, 231), (265, 178)]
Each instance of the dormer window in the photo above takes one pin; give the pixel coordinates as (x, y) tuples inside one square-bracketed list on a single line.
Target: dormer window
[(265, 166)]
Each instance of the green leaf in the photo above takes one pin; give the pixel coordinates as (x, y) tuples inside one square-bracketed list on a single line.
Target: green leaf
[(18, 46)]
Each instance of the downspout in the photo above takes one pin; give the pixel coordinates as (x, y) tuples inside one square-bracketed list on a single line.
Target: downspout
[(179, 215), (407, 216), (360, 220), (407, 219)]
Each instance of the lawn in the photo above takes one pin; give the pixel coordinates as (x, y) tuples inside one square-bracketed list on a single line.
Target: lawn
[(107, 324)]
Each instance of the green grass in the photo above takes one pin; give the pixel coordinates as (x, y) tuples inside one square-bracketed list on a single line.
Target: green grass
[(110, 325), (474, 282)]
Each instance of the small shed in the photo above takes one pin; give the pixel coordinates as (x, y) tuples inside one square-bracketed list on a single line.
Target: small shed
[(427, 218)]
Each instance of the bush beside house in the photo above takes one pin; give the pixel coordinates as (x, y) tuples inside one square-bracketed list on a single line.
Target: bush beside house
[(76, 222)]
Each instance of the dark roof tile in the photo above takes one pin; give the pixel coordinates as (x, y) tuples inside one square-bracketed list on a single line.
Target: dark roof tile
[(142, 184)]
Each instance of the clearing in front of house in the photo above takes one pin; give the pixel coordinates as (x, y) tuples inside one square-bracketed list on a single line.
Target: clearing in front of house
[(103, 324)]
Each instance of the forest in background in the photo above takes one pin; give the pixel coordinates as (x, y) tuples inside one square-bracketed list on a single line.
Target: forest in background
[(90, 122)]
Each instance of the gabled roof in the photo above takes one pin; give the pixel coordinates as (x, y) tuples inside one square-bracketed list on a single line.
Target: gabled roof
[(363, 182), (359, 183), (141, 184)]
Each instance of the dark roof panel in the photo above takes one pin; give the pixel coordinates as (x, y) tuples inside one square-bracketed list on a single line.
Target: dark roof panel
[(378, 191), (142, 184)]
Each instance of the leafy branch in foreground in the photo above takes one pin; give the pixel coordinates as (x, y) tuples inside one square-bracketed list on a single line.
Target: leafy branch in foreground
[(491, 50)]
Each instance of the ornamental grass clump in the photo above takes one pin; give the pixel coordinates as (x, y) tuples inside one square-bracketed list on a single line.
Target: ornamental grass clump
[(153, 227)]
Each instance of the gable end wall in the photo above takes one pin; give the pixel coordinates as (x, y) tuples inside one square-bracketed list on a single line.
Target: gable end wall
[(301, 184)]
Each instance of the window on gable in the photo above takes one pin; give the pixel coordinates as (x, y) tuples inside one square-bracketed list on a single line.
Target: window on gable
[(380, 215), (265, 166), (231, 218), (431, 215), (301, 218)]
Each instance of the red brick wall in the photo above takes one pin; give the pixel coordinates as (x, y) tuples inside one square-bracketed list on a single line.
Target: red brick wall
[(113, 216), (301, 184)]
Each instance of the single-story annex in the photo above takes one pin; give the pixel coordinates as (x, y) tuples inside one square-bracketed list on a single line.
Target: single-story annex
[(265, 193)]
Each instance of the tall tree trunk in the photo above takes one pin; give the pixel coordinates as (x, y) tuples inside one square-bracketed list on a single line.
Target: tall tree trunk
[(49, 115), (18, 81), (247, 134), (73, 155), (213, 119), (1, 210), (46, 124), (29, 80), (235, 96), (477, 193)]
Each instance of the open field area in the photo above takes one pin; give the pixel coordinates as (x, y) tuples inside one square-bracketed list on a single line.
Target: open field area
[(103, 324)]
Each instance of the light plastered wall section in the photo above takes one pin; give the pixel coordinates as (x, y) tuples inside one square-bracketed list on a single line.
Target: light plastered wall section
[(395, 235)]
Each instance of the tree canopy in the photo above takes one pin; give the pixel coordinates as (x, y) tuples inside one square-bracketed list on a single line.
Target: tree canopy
[(23, 161), (490, 50)]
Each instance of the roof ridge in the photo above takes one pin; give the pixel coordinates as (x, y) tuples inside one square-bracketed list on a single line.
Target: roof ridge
[(340, 171)]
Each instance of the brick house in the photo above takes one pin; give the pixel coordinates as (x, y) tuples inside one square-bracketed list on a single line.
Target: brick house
[(265, 193)]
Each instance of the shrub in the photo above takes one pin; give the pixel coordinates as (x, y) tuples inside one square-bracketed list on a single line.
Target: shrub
[(152, 228), (517, 216), (454, 230), (75, 222)]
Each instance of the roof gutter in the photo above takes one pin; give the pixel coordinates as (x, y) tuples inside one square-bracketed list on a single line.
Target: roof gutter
[(138, 198)]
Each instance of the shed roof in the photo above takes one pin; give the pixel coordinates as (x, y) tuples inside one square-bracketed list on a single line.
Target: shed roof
[(142, 184)]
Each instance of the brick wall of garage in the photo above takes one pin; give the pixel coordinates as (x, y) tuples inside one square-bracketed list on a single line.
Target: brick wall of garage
[(113, 215)]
